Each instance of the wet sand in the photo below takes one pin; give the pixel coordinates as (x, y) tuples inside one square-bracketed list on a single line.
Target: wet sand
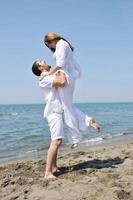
[(97, 173)]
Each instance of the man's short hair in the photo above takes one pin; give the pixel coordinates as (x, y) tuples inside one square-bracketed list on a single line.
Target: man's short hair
[(35, 69)]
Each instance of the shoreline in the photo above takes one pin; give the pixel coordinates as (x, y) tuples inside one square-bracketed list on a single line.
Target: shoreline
[(104, 172), (65, 149)]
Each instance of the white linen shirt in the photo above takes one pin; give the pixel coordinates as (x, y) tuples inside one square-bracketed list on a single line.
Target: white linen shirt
[(51, 96), (64, 59)]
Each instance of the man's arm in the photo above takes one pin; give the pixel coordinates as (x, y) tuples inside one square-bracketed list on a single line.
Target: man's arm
[(60, 80)]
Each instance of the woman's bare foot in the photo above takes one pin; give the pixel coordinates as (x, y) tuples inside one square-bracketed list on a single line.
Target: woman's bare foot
[(94, 124), (49, 176), (74, 145)]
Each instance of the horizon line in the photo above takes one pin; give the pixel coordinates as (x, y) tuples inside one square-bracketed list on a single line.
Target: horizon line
[(73, 103)]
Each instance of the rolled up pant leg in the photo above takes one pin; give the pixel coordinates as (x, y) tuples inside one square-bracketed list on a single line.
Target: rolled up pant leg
[(55, 121)]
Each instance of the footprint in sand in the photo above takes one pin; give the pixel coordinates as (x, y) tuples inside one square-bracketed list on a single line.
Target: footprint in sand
[(122, 194)]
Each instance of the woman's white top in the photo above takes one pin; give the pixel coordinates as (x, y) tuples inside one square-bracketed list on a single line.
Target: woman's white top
[(64, 59)]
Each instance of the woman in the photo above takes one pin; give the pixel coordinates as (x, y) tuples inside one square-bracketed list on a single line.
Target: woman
[(63, 54)]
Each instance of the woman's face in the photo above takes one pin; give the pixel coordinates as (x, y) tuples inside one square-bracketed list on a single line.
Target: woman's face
[(52, 44)]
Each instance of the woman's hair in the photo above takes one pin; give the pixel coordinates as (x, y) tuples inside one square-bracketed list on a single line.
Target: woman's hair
[(35, 69), (53, 36)]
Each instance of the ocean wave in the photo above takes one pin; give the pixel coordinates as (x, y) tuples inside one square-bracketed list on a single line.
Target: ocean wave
[(14, 114), (128, 132), (7, 156), (8, 114), (117, 134), (30, 137), (37, 150), (92, 140), (107, 136)]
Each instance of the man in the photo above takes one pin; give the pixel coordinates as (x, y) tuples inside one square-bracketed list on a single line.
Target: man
[(58, 110)]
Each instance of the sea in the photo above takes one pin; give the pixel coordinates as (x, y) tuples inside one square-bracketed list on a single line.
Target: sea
[(24, 133)]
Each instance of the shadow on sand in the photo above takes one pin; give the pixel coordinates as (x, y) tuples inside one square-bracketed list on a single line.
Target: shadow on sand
[(95, 164)]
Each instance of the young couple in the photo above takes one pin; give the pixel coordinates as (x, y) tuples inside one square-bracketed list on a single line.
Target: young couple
[(58, 84)]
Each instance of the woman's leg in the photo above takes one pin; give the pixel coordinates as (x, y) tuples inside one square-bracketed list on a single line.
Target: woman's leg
[(51, 158)]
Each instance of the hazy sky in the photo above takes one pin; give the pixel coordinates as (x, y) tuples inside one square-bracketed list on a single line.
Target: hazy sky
[(101, 32)]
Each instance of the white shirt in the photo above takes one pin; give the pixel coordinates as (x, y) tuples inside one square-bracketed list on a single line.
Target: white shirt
[(51, 96), (64, 58)]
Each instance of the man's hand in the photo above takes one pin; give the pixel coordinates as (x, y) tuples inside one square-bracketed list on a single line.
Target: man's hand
[(60, 80)]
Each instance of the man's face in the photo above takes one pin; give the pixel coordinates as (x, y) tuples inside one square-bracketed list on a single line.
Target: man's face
[(42, 65)]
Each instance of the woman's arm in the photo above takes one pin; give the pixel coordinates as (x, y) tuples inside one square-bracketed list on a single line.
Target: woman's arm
[(52, 71), (61, 55), (62, 49)]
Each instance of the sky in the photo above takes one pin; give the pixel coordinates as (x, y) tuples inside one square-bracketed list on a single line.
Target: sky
[(101, 32)]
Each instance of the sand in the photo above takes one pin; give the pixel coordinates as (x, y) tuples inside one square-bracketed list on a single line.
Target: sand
[(97, 173)]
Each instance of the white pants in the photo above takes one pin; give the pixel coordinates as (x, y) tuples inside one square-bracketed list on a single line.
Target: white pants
[(79, 124), (55, 121), (56, 126)]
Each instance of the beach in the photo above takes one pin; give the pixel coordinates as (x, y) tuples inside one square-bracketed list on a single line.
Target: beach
[(100, 172)]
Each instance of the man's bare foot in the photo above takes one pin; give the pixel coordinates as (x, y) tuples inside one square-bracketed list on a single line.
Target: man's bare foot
[(49, 176), (74, 145), (94, 124), (55, 169)]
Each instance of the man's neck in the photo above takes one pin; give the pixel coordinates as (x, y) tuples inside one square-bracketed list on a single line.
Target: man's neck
[(44, 70)]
